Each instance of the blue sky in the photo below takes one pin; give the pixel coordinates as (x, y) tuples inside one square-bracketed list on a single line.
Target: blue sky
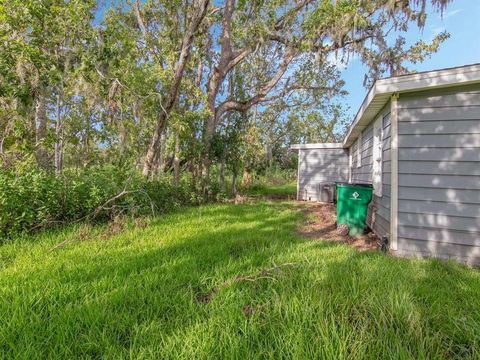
[(461, 19)]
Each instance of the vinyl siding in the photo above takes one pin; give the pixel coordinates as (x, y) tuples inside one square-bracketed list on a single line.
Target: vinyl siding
[(382, 205), (378, 215), (439, 174), (316, 166), (363, 174)]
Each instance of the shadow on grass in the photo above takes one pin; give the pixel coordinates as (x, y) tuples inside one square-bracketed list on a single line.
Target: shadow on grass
[(138, 295), (137, 283)]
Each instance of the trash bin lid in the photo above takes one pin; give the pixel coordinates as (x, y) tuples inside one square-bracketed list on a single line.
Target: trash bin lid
[(354, 184)]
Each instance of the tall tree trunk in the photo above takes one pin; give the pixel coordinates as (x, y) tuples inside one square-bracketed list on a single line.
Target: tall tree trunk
[(159, 159), (194, 172), (213, 86), (234, 182), (269, 148), (123, 135), (86, 141), (176, 160), (58, 155), (222, 173), (268, 153), (195, 163), (209, 131), (41, 129), (228, 59), (137, 116), (197, 18), (5, 133)]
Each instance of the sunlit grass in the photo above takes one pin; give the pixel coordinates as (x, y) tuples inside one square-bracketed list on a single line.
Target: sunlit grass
[(285, 190), (228, 281)]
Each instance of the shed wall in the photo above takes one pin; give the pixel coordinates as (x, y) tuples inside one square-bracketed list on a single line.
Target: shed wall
[(439, 173), (378, 215), (363, 173), (320, 165)]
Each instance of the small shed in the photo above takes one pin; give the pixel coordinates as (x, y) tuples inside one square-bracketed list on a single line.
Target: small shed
[(320, 164), (416, 139)]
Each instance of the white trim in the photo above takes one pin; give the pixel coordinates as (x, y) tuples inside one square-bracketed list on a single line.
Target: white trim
[(394, 172), (382, 89), (377, 156), (298, 174), (359, 150), (350, 164), (317, 146)]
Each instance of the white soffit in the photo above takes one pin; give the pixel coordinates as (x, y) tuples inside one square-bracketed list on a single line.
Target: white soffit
[(382, 89)]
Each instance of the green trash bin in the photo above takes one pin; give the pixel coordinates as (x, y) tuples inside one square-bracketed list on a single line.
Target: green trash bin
[(352, 205)]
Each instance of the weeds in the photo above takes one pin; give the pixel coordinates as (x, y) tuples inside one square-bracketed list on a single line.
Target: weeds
[(210, 282)]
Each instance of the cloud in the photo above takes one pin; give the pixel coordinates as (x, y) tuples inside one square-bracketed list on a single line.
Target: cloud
[(451, 13)]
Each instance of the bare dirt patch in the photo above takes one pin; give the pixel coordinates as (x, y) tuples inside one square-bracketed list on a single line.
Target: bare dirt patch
[(321, 224), (204, 297)]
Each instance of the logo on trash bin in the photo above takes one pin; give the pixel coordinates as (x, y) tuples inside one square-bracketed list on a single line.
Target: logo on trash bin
[(355, 195)]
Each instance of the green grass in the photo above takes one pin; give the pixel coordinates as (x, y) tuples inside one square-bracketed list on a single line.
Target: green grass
[(147, 293), (288, 189)]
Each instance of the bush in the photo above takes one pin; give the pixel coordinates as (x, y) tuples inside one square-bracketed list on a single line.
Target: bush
[(35, 199), (273, 176)]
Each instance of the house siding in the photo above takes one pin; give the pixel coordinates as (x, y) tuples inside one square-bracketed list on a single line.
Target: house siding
[(439, 173), (316, 166), (378, 214), (363, 173)]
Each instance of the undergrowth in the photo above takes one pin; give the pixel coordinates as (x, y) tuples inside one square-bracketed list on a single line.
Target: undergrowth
[(33, 199)]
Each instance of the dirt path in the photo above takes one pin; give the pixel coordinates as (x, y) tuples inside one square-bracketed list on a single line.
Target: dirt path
[(321, 225), (321, 221)]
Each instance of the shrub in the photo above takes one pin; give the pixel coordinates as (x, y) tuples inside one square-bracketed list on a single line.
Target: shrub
[(273, 176), (35, 199)]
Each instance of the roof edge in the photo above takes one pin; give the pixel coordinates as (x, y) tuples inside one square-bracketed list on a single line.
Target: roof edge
[(442, 78), (316, 146)]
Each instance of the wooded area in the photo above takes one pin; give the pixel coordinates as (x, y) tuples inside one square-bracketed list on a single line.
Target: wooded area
[(183, 91), (148, 202)]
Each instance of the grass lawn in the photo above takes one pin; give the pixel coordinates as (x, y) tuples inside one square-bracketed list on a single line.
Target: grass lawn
[(284, 190), (228, 281)]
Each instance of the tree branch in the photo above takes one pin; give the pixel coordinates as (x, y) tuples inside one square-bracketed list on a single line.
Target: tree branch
[(261, 96), (143, 28), (279, 24), (172, 96)]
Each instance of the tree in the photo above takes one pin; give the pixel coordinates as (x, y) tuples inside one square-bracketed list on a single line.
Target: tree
[(198, 14), (168, 86), (42, 39), (292, 33)]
